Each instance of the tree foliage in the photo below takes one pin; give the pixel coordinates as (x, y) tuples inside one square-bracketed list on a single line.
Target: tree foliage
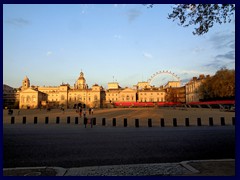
[(219, 86), (201, 15)]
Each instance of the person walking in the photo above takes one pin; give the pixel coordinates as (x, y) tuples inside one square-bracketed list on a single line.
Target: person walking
[(80, 112), (89, 111)]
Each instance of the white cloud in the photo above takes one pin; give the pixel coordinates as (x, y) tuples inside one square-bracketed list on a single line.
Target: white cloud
[(147, 55), (49, 53), (133, 14), (117, 36)]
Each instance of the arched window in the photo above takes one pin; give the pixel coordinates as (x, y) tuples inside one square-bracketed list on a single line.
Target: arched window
[(95, 98), (127, 97), (28, 99), (34, 98), (62, 97), (23, 99)]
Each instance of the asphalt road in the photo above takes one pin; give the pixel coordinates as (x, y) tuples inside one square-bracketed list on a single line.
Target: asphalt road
[(74, 146)]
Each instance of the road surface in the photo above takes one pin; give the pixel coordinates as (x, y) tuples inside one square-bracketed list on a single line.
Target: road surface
[(72, 145)]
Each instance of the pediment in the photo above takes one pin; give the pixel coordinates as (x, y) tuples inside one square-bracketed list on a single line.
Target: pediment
[(129, 90), (29, 90)]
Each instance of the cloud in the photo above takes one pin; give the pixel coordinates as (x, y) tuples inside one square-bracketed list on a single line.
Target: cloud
[(223, 39), (147, 55), (117, 36), (132, 14), (198, 49), (227, 56), (49, 53), (19, 22)]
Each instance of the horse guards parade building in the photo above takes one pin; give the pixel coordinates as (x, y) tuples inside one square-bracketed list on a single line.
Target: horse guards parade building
[(65, 96)]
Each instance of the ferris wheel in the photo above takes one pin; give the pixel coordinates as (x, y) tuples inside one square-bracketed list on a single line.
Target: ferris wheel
[(169, 76)]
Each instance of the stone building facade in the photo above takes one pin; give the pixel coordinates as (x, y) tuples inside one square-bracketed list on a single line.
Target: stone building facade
[(61, 96), (68, 96), (192, 88)]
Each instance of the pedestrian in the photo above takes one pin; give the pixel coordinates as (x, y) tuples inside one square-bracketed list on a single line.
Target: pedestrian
[(80, 112), (84, 113), (92, 110), (89, 111)]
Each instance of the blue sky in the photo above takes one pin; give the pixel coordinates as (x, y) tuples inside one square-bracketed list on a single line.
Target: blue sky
[(126, 43)]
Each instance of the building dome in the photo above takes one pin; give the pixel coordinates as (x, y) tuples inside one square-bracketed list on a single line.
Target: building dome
[(81, 82)]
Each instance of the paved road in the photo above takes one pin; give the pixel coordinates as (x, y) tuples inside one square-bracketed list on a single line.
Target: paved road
[(74, 146)]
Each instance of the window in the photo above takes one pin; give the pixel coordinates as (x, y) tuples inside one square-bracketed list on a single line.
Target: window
[(62, 97), (95, 98), (28, 99), (33, 98)]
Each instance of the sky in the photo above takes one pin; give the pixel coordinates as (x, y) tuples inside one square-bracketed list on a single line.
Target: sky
[(125, 43)]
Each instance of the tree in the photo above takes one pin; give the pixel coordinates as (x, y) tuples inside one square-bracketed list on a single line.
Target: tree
[(219, 86), (201, 15)]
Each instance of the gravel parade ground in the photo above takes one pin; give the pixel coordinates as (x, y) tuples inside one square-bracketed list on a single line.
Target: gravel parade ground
[(143, 114)]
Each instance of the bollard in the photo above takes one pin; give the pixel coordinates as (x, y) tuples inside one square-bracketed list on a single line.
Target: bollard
[(68, 120), (103, 121), (199, 123), (175, 122), (91, 122), (233, 121), (136, 122), (94, 121), (46, 120), (24, 120), (114, 122), (222, 121), (12, 120), (57, 120), (85, 122), (76, 120), (35, 120), (149, 122), (125, 122), (186, 122), (210, 121), (162, 122)]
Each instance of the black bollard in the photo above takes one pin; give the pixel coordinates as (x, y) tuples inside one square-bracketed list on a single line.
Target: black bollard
[(199, 123), (94, 121), (76, 120), (114, 122), (68, 120), (233, 121), (186, 122), (136, 122), (103, 121), (162, 122), (85, 122), (222, 121), (57, 120), (35, 120), (175, 122), (24, 120), (12, 120), (125, 122), (46, 120), (210, 121), (149, 122)]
